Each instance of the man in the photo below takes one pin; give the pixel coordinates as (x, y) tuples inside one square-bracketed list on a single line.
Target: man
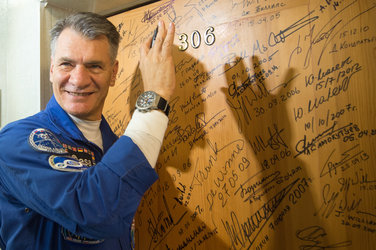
[(66, 180)]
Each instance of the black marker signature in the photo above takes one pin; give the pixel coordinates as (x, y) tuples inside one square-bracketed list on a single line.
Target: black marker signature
[(342, 27), (244, 233), (314, 236), (249, 192), (150, 14), (332, 202), (274, 141), (331, 166), (283, 34), (305, 146), (159, 227), (202, 175), (296, 50), (201, 122)]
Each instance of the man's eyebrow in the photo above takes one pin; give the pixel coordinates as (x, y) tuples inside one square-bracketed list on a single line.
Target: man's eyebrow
[(65, 59), (94, 62)]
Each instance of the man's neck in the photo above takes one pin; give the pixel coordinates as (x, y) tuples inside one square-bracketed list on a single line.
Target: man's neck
[(90, 129)]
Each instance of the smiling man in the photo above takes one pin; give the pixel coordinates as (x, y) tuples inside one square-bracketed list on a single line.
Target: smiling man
[(82, 71), (66, 180)]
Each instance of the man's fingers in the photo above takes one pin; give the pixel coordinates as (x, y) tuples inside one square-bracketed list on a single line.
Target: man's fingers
[(145, 47), (163, 41), (169, 40), (160, 36)]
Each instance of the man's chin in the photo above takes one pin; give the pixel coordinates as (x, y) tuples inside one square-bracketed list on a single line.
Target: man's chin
[(85, 110), (79, 113)]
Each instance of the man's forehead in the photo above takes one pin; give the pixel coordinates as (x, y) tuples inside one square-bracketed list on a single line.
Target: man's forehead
[(69, 31), (71, 43)]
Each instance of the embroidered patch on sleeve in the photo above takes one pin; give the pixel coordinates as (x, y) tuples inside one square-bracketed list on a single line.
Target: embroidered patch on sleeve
[(65, 163), (84, 155), (44, 140)]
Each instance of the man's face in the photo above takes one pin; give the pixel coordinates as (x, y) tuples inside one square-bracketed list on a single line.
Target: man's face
[(81, 73)]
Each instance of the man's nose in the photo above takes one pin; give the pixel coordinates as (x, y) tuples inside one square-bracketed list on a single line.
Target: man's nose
[(80, 76)]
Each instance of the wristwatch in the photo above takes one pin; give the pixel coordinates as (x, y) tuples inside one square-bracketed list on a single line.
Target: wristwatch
[(150, 100)]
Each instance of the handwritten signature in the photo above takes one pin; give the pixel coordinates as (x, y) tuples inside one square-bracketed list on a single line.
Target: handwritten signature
[(160, 226), (245, 232), (330, 166), (275, 39), (274, 141), (201, 176), (304, 146), (315, 237), (151, 14), (332, 202)]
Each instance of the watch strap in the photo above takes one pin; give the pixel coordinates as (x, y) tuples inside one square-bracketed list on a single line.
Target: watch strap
[(163, 105)]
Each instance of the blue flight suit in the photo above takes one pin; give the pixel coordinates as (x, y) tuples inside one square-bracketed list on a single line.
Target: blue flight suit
[(46, 205)]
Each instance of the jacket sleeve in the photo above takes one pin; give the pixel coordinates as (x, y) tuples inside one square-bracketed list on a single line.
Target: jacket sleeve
[(99, 202)]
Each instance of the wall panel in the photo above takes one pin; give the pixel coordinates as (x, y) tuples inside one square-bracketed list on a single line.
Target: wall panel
[(272, 132)]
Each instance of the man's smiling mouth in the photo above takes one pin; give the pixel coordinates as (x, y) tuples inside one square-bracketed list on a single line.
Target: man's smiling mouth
[(79, 93)]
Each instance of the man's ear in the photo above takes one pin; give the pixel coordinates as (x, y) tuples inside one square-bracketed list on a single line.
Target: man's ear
[(51, 69), (115, 69)]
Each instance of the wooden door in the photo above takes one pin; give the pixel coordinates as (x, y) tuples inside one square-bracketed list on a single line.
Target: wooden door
[(272, 131)]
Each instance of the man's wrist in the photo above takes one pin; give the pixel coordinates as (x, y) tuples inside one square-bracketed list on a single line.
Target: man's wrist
[(154, 123), (150, 100)]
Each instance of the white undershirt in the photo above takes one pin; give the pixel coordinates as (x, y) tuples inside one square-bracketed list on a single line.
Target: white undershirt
[(145, 129), (90, 129)]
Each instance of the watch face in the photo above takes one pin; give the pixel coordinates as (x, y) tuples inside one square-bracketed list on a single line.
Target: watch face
[(145, 100)]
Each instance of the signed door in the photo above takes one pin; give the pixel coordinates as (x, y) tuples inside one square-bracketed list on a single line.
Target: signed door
[(272, 131)]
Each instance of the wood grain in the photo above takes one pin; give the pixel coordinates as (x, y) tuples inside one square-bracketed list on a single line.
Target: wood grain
[(271, 139)]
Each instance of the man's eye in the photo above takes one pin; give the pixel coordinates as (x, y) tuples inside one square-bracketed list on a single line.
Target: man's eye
[(95, 66), (66, 64)]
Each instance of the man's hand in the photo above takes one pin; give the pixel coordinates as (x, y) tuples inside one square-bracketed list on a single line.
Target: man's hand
[(156, 63)]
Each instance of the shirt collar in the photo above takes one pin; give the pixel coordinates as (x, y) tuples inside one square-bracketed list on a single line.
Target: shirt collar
[(66, 126), (61, 119)]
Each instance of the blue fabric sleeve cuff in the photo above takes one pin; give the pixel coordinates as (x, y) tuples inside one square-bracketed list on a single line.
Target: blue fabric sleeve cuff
[(128, 162)]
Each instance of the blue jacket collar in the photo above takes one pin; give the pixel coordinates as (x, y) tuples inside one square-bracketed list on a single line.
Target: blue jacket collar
[(61, 120), (66, 126)]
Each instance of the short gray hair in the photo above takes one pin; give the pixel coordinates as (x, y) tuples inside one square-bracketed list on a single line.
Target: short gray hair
[(91, 26)]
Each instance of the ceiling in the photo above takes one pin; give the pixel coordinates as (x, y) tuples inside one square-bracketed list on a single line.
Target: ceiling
[(103, 7)]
